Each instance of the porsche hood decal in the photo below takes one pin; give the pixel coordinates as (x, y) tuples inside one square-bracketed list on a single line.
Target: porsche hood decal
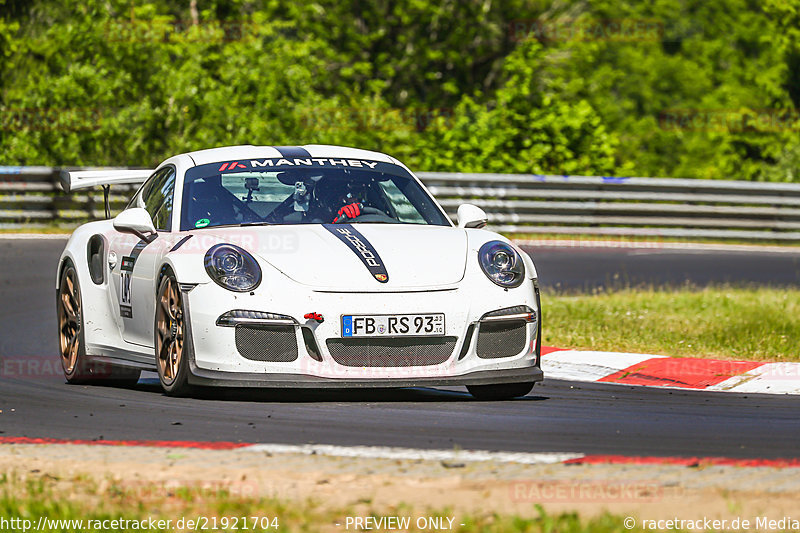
[(362, 248)]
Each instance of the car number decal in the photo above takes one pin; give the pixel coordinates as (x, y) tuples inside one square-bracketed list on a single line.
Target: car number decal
[(125, 272)]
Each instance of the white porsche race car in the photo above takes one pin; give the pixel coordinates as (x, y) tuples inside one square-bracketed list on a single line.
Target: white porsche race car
[(305, 266)]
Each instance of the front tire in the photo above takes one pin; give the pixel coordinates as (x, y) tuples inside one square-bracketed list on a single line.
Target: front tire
[(172, 359), (503, 391)]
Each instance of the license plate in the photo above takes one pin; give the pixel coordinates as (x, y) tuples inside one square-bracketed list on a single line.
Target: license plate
[(393, 325)]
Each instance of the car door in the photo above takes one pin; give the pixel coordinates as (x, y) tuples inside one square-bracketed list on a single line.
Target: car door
[(137, 260)]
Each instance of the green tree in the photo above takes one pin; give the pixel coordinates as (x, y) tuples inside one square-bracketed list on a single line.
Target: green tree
[(526, 128)]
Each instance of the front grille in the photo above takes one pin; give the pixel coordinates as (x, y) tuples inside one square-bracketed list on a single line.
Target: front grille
[(501, 339), (274, 344), (391, 352)]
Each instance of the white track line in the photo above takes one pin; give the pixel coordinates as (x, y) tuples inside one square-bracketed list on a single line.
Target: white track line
[(379, 452)]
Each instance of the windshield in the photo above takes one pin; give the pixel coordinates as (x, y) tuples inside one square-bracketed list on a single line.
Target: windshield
[(282, 191), (278, 191)]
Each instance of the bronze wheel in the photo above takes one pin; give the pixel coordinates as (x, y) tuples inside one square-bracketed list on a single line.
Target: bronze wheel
[(169, 337), (70, 326), (78, 368)]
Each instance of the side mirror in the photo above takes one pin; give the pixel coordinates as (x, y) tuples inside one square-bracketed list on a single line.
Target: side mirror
[(471, 216), (137, 221)]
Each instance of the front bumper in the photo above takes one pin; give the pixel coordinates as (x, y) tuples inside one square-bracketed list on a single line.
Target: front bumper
[(215, 360)]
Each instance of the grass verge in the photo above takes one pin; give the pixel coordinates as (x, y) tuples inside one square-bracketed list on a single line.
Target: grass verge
[(726, 323), (79, 505)]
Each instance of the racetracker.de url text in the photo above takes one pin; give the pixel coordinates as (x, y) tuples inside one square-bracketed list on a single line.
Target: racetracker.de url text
[(198, 523)]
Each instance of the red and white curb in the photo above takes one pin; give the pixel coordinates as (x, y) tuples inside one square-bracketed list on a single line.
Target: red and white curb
[(672, 372), (414, 454)]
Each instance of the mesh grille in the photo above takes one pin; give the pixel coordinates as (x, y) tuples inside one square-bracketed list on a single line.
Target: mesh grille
[(276, 344), (501, 339), (392, 352)]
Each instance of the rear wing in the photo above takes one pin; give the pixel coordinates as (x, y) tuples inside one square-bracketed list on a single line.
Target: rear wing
[(72, 180)]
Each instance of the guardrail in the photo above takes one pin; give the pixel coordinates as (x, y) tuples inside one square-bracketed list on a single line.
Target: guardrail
[(661, 207), (33, 197), (515, 203)]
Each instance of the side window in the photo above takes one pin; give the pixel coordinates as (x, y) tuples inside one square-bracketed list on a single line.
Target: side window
[(404, 209), (157, 195)]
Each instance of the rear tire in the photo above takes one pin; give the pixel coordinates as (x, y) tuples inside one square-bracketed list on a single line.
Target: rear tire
[(172, 357), (78, 368), (71, 343), (503, 391)]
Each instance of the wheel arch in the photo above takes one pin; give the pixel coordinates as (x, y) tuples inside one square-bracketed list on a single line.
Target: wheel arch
[(97, 243), (187, 268), (66, 258), (178, 386), (78, 246), (165, 270)]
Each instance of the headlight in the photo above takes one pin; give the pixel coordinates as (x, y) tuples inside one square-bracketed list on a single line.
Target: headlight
[(502, 264), (232, 268)]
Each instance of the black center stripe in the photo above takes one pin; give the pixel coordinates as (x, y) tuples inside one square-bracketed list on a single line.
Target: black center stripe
[(362, 248), (292, 151)]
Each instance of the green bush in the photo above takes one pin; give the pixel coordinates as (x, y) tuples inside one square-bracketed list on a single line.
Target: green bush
[(515, 86)]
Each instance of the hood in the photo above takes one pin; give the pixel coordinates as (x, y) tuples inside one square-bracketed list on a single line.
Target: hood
[(414, 257)]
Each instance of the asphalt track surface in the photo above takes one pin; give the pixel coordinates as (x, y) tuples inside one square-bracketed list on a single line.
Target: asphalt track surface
[(556, 416)]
